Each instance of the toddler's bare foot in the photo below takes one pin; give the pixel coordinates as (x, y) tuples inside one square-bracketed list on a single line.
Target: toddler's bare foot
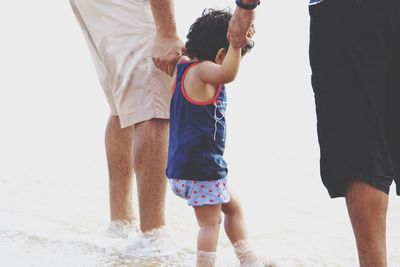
[(247, 256), (206, 259), (257, 263)]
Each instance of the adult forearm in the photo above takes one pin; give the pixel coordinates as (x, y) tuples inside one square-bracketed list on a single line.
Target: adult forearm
[(167, 46), (163, 13)]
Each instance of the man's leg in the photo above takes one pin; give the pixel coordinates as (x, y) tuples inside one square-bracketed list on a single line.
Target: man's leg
[(367, 208), (119, 149), (150, 155)]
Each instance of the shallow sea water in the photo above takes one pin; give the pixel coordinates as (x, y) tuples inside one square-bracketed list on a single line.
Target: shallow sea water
[(46, 224)]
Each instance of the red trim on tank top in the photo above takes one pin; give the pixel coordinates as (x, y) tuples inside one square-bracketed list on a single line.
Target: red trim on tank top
[(192, 101)]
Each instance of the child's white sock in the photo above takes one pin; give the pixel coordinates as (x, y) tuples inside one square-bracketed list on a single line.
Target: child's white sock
[(206, 259)]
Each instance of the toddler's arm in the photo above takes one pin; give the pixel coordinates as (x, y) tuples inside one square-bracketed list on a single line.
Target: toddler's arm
[(212, 73)]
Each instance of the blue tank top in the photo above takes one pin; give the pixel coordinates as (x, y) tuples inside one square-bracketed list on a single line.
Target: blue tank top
[(197, 133)]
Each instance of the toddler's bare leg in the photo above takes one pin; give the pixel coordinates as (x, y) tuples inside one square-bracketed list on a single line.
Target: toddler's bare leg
[(236, 230), (209, 220), (234, 220)]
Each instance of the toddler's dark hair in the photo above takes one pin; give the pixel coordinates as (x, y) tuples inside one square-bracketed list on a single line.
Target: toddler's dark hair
[(208, 34)]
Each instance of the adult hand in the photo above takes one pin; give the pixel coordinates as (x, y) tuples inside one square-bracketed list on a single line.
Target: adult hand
[(166, 51), (239, 27)]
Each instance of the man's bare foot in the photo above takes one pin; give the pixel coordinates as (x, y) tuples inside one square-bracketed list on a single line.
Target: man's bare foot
[(120, 229)]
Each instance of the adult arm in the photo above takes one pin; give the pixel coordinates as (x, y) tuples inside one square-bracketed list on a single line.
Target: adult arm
[(240, 24), (167, 46)]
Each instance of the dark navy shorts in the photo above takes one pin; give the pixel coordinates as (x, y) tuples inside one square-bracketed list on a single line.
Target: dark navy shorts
[(355, 60)]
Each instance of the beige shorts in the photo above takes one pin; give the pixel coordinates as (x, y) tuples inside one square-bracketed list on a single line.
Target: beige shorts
[(120, 34)]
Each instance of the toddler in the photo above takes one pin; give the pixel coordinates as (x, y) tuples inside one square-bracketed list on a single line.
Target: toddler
[(196, 168)]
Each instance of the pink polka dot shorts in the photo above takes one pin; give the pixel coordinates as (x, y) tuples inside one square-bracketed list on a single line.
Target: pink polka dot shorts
[(200, 193)]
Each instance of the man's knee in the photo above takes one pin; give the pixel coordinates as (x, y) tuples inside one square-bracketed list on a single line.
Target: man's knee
[(362, 199), (357, 187), (154, 128), (116, 137), (151, 144), (354, 185), (119, 142)]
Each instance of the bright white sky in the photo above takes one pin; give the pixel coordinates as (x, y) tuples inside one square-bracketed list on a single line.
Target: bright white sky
[(52, 108)]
